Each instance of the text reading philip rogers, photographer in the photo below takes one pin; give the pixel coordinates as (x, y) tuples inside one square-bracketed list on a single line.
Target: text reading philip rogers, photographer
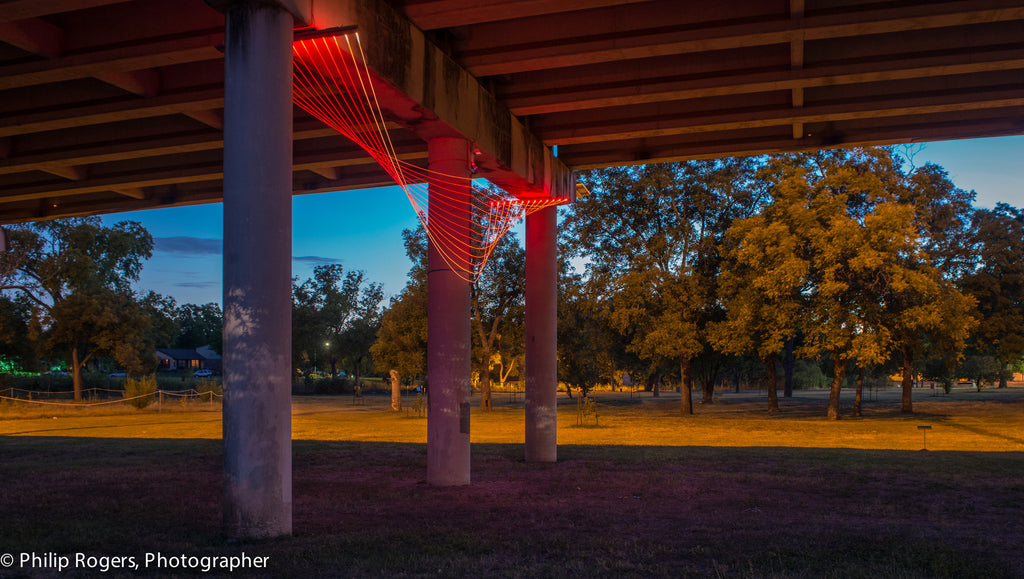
[(106, 563)]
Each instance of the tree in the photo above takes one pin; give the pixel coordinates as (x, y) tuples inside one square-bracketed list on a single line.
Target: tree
[(651, 234), (401, 343), (585, 339), (111, 322), (996, 281), (17, 337), (200, 325), (764, 281), (83, 261), (497, 302), (358, 330), (839, 248), (335, 312)]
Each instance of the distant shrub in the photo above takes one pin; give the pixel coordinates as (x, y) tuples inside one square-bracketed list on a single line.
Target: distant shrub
[(204, 387), (139, 391)]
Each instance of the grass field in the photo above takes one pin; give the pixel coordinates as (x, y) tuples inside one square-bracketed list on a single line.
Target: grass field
[(729, 492)]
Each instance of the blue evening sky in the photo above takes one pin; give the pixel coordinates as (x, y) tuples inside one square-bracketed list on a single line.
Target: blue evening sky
[(363, 229)]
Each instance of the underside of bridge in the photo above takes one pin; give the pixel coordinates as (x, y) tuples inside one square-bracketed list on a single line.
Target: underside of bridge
[(117, 105)]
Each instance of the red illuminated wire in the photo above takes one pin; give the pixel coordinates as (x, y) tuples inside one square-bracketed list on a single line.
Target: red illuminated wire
[(336, 87)]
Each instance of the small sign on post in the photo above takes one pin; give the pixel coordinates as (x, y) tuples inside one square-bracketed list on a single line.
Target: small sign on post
[(924, 434)]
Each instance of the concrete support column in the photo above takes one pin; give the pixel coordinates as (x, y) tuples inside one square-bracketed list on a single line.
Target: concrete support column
[(257, 270), (448, 313), (541, 336)]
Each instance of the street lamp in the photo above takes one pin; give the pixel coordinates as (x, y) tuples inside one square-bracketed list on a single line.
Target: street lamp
[(327, 347)]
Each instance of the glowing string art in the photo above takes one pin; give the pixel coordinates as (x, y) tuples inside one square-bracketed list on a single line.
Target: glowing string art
[(335, 86)]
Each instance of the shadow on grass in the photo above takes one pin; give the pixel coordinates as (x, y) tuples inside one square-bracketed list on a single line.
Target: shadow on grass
[(363, 509)]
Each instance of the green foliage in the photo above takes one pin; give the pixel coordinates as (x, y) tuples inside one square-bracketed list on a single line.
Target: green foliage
[(498, 309), (334, 313), (77, 274), (996, 282), (419, 405), (401, 342), (139, 392), (199, 325)]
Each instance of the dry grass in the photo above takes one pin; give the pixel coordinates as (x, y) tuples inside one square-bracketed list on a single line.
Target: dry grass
[(730, 492)]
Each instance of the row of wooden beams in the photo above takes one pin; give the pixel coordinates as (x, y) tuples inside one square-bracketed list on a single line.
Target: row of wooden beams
[(562, 52), (23, 9), (796, 79), (451, 13), (155, 146), (600, 127), (203, 45), (744, 143), (109, 112), (211, 170)]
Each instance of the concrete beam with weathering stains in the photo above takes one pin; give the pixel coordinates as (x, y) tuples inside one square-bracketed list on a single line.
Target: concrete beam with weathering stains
[(422, 88)]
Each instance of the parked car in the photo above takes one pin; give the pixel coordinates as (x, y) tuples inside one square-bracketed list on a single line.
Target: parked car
[(204, 373)]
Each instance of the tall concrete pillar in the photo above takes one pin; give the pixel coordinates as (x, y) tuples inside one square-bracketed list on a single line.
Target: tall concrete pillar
[(257, 270), (541, 336), (448, 311)]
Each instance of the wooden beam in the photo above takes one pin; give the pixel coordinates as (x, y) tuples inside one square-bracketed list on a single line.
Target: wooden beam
[(640, 92), (22, 9), (214, 119), (451, 13), (33, 35), (145, 82), (109, 112), (632, 128), (144, 55), (70, 172), (568, 51)]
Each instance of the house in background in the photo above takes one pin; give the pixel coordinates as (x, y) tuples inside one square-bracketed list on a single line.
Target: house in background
[(188, 359)]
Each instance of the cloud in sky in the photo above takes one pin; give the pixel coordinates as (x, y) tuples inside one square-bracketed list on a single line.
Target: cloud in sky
[(197, 284), (316, 259), (189, 245)]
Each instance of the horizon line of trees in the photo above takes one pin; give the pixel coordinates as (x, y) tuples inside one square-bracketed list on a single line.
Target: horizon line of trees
[(853, 260)]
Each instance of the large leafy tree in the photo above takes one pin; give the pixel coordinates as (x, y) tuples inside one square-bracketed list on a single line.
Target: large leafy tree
[(497, 304), (336, 312), (996, 281), (877, 260), (651, 236), (78, 275), (587, 352), (199, 325), (765, 280), (401, 343), (17, 339)]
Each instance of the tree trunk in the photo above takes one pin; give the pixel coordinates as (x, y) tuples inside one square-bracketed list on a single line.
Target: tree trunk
[(76, 374), (708, 392), (485, 379), (656, 390), (396, 391), (838, 375), (1004, 374), (358, 391), (687, 387), (860, 390), (788, 363), (770, 385), (568, 391), (907, 406)]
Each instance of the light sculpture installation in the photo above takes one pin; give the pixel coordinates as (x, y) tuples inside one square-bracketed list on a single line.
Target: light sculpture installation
[(332, 83)]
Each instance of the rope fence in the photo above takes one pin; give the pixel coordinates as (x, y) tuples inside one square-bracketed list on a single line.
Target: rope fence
[(193, 393)]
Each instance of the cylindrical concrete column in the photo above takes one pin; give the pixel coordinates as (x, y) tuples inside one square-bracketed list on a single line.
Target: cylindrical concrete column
[(541, 336), (257, 271), (448, 311)]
